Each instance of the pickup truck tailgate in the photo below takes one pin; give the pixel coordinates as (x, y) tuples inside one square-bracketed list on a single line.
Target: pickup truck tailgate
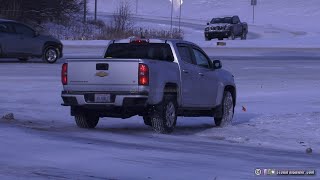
[(113, 72)]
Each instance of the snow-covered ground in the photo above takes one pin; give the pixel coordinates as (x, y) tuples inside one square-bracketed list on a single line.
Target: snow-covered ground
[(280, 96), (282, 104), (285, 23), (296, 15), (281, 120)]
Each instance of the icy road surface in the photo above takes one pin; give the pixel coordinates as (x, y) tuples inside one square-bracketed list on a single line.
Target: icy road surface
[(282, 119)]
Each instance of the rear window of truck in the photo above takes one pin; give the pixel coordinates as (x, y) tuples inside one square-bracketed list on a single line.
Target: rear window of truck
[(155, 51)]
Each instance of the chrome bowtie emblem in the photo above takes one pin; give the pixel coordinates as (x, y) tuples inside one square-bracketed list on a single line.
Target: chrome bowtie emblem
[(102, 74)]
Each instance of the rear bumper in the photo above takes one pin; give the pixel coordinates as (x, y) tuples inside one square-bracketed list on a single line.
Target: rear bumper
[(124, 99)]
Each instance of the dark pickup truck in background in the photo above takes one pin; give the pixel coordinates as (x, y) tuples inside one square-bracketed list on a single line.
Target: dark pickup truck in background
[(226, 27)]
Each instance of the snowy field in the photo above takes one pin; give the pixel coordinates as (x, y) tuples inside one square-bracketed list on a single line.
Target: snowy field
[(277, 116), (281, 120), (297, 15), (285, 23)]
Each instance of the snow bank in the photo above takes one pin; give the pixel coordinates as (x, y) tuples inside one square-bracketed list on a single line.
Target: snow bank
[(287, 131)]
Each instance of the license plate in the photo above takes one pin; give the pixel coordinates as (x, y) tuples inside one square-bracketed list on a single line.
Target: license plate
[(102, 98)]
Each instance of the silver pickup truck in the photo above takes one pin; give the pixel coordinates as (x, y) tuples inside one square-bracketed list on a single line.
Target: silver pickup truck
[(156, 79)]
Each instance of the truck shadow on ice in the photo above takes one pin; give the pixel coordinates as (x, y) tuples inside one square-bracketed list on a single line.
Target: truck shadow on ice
[(185, 126)]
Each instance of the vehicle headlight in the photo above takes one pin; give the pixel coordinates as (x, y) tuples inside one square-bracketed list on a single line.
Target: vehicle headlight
[(212, 28), (206, 29)]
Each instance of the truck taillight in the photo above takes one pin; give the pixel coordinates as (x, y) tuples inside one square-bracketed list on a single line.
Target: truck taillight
[(64, 74), (143, 75)]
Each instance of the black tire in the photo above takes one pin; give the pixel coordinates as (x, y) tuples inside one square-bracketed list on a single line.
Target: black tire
[(244, 36), (227, 110), (164, 115), (86, 120), (232, 36), (50, 54), (147, 120), (23, 59)]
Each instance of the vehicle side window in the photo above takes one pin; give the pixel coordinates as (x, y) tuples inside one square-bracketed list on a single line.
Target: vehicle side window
[(5, 28), (201, 59), (185, 54), (236, 20), (22, 29)]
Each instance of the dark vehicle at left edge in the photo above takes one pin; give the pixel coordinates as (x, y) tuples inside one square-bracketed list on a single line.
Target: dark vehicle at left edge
[(20, 41)]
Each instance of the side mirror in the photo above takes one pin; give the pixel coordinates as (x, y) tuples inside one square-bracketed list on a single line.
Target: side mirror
[(208, 24), (217, 64)]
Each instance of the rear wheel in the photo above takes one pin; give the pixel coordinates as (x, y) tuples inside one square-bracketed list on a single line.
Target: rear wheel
[(86, 120), (227, 110), (147, 120), (244, 36), (164, 115), (50, 54), (232, 36)]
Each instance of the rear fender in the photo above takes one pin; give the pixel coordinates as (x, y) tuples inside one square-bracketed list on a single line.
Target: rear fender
[(165, 88)]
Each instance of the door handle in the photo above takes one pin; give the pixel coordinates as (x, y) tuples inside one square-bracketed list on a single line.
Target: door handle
[(185, 71), (201, 74), (102, 66)]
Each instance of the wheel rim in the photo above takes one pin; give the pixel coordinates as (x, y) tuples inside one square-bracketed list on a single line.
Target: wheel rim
[(51, 55), (170, 114), (228, 109)]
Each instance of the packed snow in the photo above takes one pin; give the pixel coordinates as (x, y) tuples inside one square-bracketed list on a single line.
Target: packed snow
[(280, 122), (277, 116)]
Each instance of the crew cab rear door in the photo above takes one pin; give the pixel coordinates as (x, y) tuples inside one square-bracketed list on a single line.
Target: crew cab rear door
[(237, 25), (207, 82), (189, 94), (8, 39), (28, 43)]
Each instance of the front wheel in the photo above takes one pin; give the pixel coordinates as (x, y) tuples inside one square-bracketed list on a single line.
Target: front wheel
[(86, 120), (164, 115), (147, 120), (244, 36), (50, 54), (227, 110), (232, 36)]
